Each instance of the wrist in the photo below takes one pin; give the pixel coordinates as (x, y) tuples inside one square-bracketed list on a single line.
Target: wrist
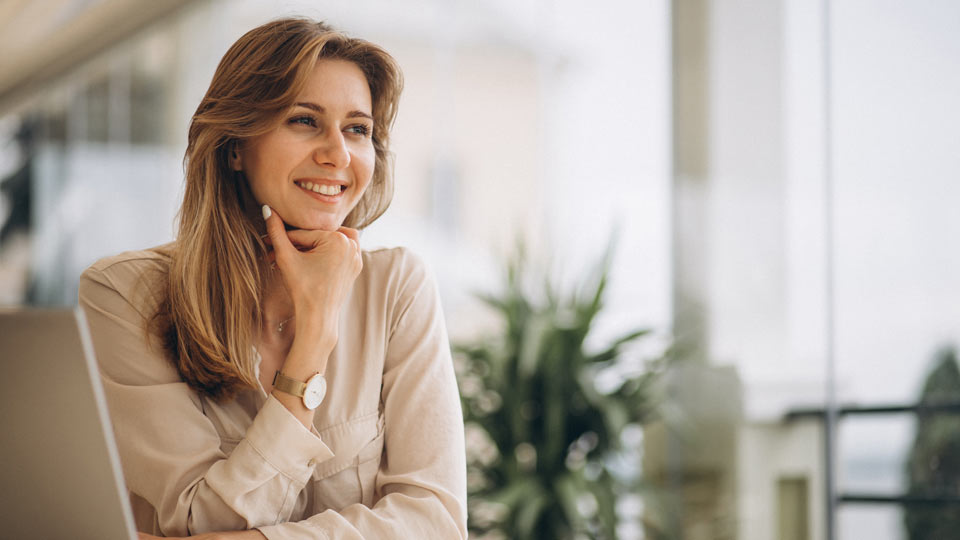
[(296, 407), (317, 325), (308, 354)]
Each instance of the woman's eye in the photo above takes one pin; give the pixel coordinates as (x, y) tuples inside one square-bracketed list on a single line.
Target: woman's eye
[(303, 120), (360, 129)]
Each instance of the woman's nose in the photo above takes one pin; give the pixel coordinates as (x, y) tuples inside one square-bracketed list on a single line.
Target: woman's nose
[(332, 151)]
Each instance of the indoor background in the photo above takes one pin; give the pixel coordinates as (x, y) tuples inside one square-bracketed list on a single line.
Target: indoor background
[(775, 182)]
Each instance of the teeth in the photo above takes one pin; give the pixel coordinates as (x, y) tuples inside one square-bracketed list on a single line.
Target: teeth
[(320, 188)]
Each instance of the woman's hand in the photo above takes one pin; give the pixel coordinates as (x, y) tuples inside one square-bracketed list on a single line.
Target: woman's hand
[(318, 270)]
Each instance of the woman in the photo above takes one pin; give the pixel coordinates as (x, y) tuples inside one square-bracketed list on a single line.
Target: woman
[(264, 374)]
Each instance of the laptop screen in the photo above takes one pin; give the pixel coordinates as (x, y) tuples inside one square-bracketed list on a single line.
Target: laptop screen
[(61, 473)]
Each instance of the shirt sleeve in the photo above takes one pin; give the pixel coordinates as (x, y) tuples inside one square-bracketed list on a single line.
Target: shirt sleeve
[(171, 452), (422, 477)]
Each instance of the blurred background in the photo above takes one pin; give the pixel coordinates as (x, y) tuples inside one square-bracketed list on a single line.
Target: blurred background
[(775, 183)]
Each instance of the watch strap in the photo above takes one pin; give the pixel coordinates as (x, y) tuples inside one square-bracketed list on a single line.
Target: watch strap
[(288, 385)]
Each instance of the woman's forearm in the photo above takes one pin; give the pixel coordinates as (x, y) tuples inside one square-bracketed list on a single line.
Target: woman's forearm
[(308, 355)]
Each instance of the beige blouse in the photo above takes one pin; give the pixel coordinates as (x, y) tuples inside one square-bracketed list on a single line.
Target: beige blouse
[(385, 458)]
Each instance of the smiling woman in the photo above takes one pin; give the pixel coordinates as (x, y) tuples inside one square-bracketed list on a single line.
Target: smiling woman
[(266, 376), (315, 165)]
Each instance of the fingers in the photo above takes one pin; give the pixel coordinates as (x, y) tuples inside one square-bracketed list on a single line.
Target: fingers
[(354, 237), (352, 234), (285, 242), (307, 239), (276, 235)]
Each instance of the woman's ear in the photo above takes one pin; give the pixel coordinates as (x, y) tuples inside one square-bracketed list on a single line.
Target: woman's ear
[(236, 163)]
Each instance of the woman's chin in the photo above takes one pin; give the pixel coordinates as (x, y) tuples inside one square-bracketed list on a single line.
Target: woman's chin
[(316, 225)]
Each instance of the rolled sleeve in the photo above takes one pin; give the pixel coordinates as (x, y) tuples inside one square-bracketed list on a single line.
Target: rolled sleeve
[(423, 476), (285, 443), (173, 457), (196, 466)]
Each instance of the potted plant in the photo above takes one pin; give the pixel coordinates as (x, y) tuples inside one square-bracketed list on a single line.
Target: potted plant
[(552, 451)]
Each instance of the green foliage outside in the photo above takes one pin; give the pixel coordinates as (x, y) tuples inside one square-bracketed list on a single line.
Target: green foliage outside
[(933, 466), (550, 452)]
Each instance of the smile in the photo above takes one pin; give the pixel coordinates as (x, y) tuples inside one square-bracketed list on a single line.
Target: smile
[(323, 189)]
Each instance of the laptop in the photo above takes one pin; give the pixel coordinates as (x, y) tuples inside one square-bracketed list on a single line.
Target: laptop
[(60, 474)]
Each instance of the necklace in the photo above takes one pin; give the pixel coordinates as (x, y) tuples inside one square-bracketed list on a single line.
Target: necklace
[(283, 322)]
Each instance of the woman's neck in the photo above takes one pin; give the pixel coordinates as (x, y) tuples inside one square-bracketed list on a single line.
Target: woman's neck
[(277, 310)]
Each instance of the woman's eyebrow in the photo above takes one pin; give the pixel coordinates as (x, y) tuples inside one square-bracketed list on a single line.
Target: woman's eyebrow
[(321, 110)]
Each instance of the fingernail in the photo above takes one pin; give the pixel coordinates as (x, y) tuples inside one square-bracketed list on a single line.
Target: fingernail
[(266, 212)]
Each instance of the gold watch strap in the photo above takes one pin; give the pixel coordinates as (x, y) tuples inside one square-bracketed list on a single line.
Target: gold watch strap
[(286, 384)]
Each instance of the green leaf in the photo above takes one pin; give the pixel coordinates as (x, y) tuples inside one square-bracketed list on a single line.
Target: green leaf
[(567, 493), (528, 515), (545, 380), (613, 349)]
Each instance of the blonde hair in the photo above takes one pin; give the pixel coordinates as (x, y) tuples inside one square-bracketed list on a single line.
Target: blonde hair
[(212, 304)]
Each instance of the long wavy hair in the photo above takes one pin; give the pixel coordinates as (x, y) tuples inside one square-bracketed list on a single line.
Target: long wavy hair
[(211, 309)]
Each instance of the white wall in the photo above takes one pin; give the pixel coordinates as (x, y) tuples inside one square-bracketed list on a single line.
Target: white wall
[(768, 452)]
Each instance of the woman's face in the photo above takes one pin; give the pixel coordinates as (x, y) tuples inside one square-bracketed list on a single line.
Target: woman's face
[(313, 168)]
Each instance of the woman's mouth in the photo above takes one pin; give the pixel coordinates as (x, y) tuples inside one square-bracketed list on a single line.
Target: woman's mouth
[(323, 189)]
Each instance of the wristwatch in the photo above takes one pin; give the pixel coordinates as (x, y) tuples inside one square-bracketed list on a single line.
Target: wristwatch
[(312, 391)]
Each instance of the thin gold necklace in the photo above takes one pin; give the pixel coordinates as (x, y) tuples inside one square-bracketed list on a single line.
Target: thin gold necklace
[(283, 322)]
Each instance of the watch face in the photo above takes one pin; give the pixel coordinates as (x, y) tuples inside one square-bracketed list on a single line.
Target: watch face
[(315, 391)]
